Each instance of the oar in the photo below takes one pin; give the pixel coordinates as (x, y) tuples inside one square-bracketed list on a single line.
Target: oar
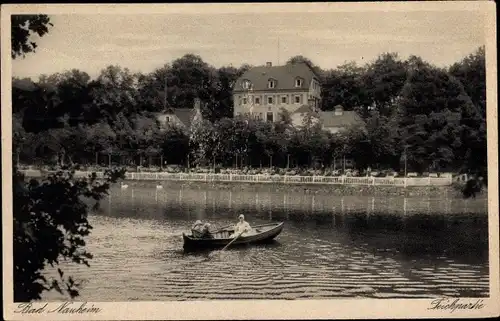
[(222, 228), (225, 247)]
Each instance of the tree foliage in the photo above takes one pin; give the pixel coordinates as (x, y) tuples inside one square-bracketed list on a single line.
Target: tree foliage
[(23, 27), (50, 225)]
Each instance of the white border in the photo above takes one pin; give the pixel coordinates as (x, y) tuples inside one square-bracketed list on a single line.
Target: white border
[(256, 309)]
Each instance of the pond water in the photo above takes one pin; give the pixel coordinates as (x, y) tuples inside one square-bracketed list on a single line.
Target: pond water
[(331, 247)]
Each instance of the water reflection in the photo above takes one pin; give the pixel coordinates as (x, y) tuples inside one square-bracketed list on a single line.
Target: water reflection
[(331, 247), (310, 203)]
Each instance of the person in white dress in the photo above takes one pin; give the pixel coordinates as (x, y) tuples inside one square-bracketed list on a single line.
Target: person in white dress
[(242, 227)]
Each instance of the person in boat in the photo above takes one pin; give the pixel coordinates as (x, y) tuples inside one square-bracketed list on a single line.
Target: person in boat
[(205, 233), (242, 227), (197, 229)]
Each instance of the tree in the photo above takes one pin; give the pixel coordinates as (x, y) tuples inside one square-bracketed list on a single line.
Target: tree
[(383, 80), (174, 144), (156, 90), (221, 101), (267, 140), (344, 86), (74, 96), (434, 113), (383, 138), (22, 142), (22, 28), (99, 138), (201, 142), (471, 72), (190, 79), (50, 224), (115, 92)]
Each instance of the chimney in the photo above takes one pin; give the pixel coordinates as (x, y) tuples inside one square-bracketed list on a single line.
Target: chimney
[(197, 104), (269, 64), (339, 110)]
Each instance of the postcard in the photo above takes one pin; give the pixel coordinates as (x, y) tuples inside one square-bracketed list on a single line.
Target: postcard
[(250, 161)]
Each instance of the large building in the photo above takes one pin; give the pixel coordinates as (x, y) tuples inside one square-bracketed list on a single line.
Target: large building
[(264, 91)]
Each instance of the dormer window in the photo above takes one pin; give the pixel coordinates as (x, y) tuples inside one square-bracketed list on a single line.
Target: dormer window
[(246, 84), (298, 82), (271, 83)]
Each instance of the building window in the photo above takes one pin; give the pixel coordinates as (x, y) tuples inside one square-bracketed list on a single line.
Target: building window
[(271, 83), (257, 100), (270, 100), (260, 116), (283, 100), (298, 99), (246, 84), (244, 101), (270, 116), (298, 82), (167, 119)]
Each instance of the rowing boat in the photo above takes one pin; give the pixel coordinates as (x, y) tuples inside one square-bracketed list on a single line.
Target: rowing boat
[(260, 234)]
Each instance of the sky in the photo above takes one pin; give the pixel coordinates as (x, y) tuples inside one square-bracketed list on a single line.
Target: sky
[(143, 42)]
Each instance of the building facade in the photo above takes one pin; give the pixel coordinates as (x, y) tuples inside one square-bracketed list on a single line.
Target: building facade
[(334, 121), (339, 120), (262, 92), (180, 117)]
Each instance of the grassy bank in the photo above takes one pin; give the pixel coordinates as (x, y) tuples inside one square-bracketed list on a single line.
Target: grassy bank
[(452, 191)]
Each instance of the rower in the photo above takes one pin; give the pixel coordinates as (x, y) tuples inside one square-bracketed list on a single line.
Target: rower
[(242, 227)]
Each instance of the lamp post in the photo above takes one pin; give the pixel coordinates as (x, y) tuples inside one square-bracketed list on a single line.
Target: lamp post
[(406, 158), (344, 147)]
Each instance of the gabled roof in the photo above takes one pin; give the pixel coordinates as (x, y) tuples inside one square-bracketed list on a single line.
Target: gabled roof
[(302, 109), (348, 118), (185, 115), (283, 75)]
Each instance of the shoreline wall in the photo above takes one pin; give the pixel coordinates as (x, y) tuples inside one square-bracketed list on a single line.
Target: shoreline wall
[(450, 191), (434, 191)]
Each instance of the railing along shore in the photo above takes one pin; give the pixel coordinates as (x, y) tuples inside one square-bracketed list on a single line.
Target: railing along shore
[(262, 178)]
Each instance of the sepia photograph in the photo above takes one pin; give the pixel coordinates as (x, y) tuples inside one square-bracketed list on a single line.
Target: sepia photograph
[(242, 161)]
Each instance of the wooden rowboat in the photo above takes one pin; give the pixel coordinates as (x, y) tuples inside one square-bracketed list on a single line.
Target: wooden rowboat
[(262, 233)]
